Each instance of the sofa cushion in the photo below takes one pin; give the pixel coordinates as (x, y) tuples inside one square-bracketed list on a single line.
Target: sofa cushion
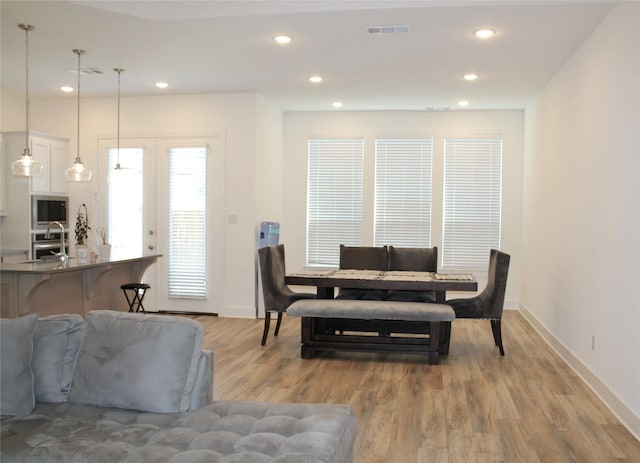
[(56, 344), (16, 377), (137, 361), (224, 432), (371, 310)]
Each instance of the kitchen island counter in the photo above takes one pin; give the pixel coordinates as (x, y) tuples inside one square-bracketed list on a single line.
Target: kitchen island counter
[(53, 287)]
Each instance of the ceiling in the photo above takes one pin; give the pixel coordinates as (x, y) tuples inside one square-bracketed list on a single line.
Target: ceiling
[(227, 46)]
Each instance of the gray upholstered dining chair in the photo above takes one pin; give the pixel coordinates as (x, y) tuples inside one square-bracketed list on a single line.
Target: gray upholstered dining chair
[(363, 258), (490, 302), (277, 295), (414, 260)]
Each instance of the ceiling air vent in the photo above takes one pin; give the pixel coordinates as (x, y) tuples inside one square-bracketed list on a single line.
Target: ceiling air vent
[(87, 71), (387, 29)]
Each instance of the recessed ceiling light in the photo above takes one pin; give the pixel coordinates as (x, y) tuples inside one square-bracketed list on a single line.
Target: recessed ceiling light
[(315, 79), (337, 104), (484, 33), (282, 39), (470, 76), (162, 84), (66, 89), (463, 103)]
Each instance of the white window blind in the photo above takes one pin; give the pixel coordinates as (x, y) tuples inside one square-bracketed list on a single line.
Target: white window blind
[(403, 192), (187, 262), (125, 205), (472, 202), (334, 199)]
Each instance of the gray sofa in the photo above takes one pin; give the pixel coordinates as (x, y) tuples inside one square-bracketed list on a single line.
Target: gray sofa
[(126, 387)]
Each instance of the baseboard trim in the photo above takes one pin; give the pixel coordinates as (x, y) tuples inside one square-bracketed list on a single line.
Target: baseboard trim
[(628, 418), (180, 312)]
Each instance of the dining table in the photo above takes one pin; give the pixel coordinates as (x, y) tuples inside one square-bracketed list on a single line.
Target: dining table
[(326, 281)]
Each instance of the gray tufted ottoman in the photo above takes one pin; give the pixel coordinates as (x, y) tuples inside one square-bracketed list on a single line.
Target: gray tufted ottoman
[(222, 432)]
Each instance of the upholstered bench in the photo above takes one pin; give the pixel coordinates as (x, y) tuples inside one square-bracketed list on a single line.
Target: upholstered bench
[(364, 325)]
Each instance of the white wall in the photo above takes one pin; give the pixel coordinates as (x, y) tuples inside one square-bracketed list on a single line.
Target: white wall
[(299, 127), (269, 162), (581, 233), (247, 121)]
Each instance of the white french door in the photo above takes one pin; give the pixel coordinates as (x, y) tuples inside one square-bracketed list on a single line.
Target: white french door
[(168, 198), (127, 202)]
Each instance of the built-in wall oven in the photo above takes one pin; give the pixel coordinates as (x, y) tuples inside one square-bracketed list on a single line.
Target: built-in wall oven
[(42, 247)]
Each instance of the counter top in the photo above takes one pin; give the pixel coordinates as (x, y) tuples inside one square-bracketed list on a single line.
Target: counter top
[(52, 287), (4, 252), (73, 264)]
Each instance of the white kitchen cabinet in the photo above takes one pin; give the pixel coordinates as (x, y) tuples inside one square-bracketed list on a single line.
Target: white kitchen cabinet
[(50, 150), (52, 153), (15, 226)]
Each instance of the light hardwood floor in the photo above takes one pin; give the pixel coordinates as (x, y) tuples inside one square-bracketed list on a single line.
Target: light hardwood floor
[(476, 406)]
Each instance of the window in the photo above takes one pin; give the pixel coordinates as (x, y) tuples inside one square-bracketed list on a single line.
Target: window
[(125, 202), (187, 264), (472, 202), (403, 192), (334, 199)]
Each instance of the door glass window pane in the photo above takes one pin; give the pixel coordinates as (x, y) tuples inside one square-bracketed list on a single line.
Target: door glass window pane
[(187, 223), (125, 203)]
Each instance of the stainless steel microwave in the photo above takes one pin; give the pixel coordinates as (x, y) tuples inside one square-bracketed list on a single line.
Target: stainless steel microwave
[(47, 209)]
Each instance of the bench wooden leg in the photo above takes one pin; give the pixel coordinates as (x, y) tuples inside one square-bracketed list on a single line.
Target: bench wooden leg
[(434, 343), (445, 337), (306, 352), (306, 328)]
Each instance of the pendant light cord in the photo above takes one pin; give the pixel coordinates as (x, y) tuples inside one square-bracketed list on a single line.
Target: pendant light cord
[(26, 67), (118, 167), (26, 28), (78, 172), (78, 52), (119, 70)]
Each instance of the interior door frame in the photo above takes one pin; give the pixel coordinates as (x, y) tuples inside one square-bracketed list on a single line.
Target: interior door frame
[(149, 223), (215, 221), (156, 275)]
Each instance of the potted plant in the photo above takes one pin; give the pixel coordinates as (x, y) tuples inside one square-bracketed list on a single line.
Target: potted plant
[(105, 247), (82, 233)]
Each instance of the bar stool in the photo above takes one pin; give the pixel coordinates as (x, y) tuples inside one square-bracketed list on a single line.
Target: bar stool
[(135, 302)]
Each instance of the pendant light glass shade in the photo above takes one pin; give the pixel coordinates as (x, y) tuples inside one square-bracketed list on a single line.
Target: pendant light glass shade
[(78, 172), (119, 71), (25, 165)]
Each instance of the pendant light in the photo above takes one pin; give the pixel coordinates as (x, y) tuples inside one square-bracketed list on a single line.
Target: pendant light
[(78, 172), (119, 71), (25, 165)]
